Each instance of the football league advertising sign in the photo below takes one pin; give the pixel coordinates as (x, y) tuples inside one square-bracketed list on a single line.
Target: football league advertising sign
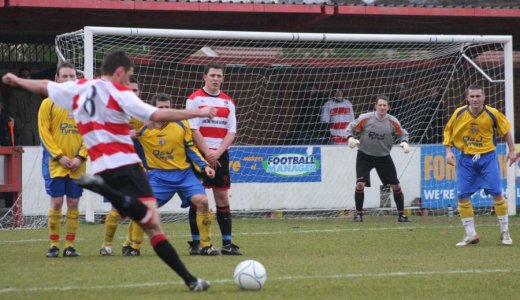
[(275, 164), (438, 178)]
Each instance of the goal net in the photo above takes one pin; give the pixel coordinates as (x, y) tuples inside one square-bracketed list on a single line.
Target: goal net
[(283, 162)]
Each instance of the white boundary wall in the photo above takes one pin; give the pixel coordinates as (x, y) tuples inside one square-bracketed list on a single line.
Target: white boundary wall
[(336, 182)]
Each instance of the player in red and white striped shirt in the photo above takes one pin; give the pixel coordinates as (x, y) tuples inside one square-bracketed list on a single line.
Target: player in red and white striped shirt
[(338, 113), (213, 137), (102, 109)]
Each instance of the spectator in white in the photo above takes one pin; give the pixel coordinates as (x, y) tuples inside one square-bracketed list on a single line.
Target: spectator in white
[(338, 113)]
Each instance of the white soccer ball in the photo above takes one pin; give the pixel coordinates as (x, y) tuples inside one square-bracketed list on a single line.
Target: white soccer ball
[(250, 275)]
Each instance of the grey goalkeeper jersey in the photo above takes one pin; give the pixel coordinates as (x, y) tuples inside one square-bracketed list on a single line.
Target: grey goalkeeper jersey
[(376, 136)]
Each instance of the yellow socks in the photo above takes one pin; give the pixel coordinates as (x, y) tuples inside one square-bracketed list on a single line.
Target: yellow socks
[(500, 207), (465, 210), (204, 225), (71, 224), (54, 227), (111, 223), (136, 234)]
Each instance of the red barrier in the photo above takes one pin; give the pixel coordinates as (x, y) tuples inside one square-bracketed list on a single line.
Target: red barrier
[(13, 182)]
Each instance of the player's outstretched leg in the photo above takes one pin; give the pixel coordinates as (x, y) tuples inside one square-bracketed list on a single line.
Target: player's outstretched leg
[(122, 203), (147, 216)]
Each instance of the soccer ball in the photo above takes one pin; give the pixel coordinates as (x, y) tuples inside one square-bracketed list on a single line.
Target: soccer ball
[(250, 275)]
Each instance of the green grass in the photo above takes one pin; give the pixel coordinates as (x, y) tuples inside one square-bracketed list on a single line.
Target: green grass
[(305, 259)]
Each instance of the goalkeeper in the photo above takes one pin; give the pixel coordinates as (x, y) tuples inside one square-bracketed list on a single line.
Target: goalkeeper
[(377, 131)]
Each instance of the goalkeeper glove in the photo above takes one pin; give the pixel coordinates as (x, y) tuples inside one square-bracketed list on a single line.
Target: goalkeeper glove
[(405, 146), (352, 142)]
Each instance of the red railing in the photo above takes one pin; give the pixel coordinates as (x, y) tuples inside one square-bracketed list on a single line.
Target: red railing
[(13, 180)]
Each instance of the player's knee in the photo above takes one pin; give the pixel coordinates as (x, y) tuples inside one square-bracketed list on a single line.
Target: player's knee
[(202, 203), (396, 188), (360, 186), (72, 204)]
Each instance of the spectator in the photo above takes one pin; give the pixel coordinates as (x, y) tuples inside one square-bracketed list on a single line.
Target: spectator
[(23, 107), (337, 113), (6, 141), (309, 129), (429, 123), (401, 106), (6, 138)]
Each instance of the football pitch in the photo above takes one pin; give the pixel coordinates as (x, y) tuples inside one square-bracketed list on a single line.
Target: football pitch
[(304, 258)]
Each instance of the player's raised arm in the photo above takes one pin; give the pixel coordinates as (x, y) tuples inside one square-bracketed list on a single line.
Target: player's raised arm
[(34, 85), (172, 115)]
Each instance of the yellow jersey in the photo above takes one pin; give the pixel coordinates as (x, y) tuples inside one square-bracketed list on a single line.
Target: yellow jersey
[(170, 147), (59, 136), (475, 134)]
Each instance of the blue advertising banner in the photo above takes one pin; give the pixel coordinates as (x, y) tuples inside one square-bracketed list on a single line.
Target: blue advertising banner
[(275, 164), (438, 179)]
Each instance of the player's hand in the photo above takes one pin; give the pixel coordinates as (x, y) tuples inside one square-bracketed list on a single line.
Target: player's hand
[(210, 172), (511, 157), (208, 111), (132, 133), (65, 162), (10, 79), (353, 143), (405, 146), (450, 159), (75, 163)]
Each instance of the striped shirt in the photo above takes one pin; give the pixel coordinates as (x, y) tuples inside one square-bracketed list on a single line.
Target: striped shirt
[(338, 114), (376, 136), (215, 129), (102, 111)]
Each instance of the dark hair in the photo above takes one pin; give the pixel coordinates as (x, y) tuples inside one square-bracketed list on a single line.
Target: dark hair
[(161, 97), (114, 60), (382, 97), (473, 87), (24, 69), (64, 65), (213, 65), (134, 80)]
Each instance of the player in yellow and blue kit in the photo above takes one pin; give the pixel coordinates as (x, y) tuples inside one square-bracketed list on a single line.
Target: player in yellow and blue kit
[(134, 240), (63, 160), (170, 153), (472, 129)]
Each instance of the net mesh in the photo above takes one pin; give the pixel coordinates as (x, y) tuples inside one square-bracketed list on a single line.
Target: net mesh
[(280, 87)]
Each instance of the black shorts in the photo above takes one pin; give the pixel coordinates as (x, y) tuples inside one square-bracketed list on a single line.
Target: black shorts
[(222, 178), (130, 180), (384, 165)]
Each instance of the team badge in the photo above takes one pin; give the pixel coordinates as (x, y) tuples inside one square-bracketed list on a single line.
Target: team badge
[(473, 129), (162, 142)]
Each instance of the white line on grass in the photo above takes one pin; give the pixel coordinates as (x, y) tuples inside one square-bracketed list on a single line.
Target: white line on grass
[(296, 230), (282, 278)]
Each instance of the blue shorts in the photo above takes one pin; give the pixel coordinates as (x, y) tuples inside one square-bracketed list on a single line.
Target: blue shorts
[(165, 183), (61, 186), (475, 174)]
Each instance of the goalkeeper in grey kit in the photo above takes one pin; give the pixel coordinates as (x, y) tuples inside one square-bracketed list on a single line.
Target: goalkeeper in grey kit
[(376, 132)]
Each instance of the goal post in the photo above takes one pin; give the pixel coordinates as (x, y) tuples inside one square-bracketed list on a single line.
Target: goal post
[(282, 159)]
